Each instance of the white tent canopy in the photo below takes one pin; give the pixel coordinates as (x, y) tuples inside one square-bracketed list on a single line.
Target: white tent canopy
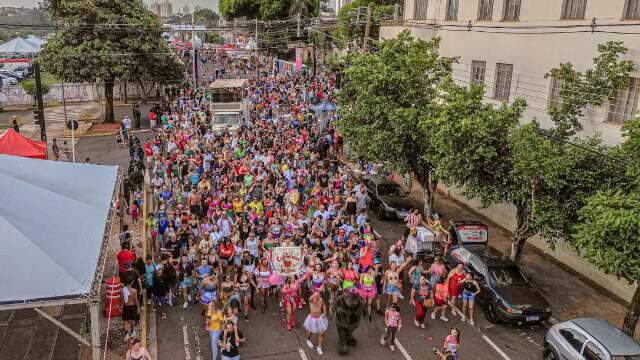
[(19, 46), (52, 221)]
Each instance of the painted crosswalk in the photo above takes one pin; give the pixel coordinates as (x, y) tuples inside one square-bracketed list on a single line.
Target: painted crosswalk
[(55, 119)]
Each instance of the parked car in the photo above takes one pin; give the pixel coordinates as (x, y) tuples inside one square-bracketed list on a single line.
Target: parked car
[(11, 74), (388, 198), (506, 294), (8, 80), (590, 339)]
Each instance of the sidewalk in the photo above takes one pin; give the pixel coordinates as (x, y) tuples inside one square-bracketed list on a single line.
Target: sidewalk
[(569, 294)]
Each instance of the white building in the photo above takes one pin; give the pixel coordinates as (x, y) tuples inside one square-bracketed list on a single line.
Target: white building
[(509, 45), (341, 3), (166, 9), (186, 10)]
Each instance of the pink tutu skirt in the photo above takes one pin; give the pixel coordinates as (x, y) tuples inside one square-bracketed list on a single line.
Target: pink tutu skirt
[(316, 325), (367, 292)]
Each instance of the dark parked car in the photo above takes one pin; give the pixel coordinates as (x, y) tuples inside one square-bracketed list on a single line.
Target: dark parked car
[(506, 293), (388, 199)]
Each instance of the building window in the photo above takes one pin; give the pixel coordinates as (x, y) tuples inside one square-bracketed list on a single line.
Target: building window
[(452, 10), (631, 9), (573, 9), (623, 106), (477, 72), (511, 10), (485, 9), (502, 88), (420, 9), (554, 93)]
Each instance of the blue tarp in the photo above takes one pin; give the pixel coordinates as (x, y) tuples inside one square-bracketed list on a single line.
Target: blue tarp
[(52, 221), (325, 106)]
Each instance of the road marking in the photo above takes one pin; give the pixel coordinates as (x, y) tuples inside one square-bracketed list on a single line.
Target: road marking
[(197, 337), (303, 356), (402, 350), (185, 335), (495, 347)]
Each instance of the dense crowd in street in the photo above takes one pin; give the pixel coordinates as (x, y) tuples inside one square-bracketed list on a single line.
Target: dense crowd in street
[(222, 202)]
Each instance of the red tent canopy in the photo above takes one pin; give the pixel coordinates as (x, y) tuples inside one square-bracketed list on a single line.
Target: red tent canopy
[(12, 143), (227, 47)]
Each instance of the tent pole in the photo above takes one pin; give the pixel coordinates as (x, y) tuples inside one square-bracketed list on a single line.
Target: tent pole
[(62, 326), (94, 315)]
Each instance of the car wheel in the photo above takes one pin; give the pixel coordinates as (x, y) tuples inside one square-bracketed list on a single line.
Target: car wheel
[(491, 314), (550, 354)]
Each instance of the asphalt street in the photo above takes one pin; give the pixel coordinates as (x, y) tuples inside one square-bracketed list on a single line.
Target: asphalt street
[(182, 334)]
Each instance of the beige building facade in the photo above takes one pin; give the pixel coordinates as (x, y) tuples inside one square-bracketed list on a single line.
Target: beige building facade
[(509, 46)]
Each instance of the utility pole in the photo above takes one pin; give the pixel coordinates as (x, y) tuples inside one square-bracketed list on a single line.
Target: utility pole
[(367, 28), (298, 34), (256, 39), (194, 58), (39, 111)]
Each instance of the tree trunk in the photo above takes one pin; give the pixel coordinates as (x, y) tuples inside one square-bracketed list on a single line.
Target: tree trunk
[(108, 104), (633, 312), (522, 231), (126, 97), (429, 185), (144, 92), (314, 59)]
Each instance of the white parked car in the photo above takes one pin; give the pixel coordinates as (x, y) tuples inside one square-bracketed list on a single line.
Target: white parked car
[(589, 339)]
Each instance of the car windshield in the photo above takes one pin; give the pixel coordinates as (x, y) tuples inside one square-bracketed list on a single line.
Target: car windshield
[(391, 190), (507, 276)]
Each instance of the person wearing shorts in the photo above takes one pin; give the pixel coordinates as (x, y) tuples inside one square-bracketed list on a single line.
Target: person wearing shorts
[(470, 289), (440, 296)]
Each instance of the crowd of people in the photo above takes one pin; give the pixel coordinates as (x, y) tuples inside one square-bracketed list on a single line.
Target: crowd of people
[(223, 201)]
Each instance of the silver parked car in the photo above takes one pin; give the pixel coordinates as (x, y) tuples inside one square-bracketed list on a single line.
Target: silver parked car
[(589, 339)]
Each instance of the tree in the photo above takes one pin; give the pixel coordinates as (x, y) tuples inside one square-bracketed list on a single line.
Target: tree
[(106, 40), (29, 86), (266, 9), (577, 90), (609, 224), (351, 26), (386, 96)]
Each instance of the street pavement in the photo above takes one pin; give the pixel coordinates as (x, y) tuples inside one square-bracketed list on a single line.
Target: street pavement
[(182, 335)]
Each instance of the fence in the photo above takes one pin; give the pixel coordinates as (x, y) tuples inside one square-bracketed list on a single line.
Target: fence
[(74, 92)]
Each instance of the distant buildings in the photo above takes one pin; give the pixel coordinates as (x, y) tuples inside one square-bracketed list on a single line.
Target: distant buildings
[(161, 9)]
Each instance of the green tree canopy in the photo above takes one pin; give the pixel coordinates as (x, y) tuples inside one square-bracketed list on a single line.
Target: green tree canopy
[(592, 87), (386, 95), (267, 9), (608, 231), (105, 40), (351, 26)]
